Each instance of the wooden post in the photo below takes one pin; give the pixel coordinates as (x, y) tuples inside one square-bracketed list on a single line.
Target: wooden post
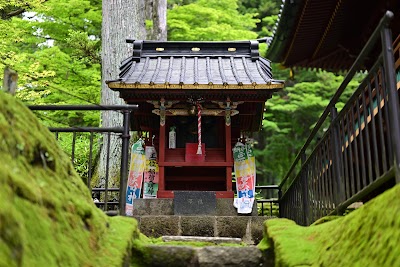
[(228, 144), (10, 81), (228, 157), (161, 147), (393, 100)]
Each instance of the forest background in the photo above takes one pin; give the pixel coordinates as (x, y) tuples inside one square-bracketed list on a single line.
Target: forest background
[(55, 45)]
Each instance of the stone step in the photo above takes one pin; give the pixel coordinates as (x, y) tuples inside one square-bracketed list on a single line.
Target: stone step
[(210, 256), (214, 240), (166, 206), (248, 228)]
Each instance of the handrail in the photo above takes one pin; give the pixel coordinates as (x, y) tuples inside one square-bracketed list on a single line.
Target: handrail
[(123, 132), (87, 129), (267, 187), (83, 107), (385, 20)]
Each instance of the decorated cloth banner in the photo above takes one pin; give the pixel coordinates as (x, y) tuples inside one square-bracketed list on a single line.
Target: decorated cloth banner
[(135, 178), (150, 187), (245, 173)]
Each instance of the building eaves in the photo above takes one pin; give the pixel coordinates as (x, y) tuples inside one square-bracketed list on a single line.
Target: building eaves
[(284, 29)]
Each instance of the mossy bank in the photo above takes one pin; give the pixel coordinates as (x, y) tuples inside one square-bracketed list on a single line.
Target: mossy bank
[(47, 217), (368, 236)]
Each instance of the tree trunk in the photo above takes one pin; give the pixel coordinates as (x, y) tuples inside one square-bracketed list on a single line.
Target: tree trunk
[(122, 19), (156, 11), (10, 81)]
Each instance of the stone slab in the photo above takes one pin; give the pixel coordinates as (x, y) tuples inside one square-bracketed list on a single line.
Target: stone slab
[(154, 206), (188, 256), (195, 203), (215, 240), (197, 225), (165, 206), (229, 227), (229, 256), (156, 226)]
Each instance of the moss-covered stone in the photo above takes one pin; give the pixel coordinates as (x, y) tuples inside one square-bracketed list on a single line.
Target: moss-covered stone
[(326, 219), (47, 216), (368, 236)]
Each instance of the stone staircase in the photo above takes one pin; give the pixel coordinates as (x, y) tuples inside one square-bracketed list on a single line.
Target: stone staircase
[(248, 228), (207, 256), (219, 237)]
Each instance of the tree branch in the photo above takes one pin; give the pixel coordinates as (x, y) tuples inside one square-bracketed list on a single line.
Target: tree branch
[(20, 11), (15, 13)]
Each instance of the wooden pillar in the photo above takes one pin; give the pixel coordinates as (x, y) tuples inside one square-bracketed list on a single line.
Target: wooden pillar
[(161, 147), (228, 146)]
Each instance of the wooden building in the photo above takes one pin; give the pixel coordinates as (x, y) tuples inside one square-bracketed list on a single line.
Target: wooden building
[(328, 34), (358, 156), (227, 82)]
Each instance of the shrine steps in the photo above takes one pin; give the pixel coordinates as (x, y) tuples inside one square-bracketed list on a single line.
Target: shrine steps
[(219, 238), (187, 255), (249, 229)]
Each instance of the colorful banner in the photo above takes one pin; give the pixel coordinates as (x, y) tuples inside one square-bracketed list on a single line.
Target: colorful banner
[(150, 187), (245, 173), (135, 178)]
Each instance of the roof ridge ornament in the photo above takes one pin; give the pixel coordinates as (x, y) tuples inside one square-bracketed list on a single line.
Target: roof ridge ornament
[(254, 52), (137, 48)]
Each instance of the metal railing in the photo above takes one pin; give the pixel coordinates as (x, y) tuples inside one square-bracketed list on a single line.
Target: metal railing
[(100, 195), (360, 151), (272, 202)]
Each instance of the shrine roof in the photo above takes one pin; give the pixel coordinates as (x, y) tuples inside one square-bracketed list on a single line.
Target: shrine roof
[(195, 65), (327, 34)]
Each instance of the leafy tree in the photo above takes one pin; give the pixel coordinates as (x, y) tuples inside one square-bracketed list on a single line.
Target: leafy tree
[(207, 20), (266, 11), (56, 57), (290, 116), (11, 8)]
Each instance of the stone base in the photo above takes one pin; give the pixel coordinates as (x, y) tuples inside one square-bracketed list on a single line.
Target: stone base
[(165, 206), (248, 228), (185, 256)]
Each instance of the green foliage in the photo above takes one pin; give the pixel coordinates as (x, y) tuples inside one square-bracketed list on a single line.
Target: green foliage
[(206, 20), (20, 3), (290, 117), (55, 50), (11, 8), (267, 209), (266, 11), (81, 150)]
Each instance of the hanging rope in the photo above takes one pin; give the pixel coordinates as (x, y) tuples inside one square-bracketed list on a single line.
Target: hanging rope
[(199, 152)]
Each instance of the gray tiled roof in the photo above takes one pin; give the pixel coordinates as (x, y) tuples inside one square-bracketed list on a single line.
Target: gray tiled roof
[(202, 65)]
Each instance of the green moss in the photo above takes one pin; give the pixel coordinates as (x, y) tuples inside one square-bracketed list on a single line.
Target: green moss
[(264, 245), (326, 219), (47, 216), (366, 237)]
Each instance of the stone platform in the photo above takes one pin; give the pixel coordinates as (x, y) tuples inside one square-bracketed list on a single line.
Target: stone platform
[(166, 206), (248, 228)]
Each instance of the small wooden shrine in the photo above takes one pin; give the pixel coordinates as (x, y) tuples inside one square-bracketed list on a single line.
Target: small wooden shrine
[(206, 93)]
